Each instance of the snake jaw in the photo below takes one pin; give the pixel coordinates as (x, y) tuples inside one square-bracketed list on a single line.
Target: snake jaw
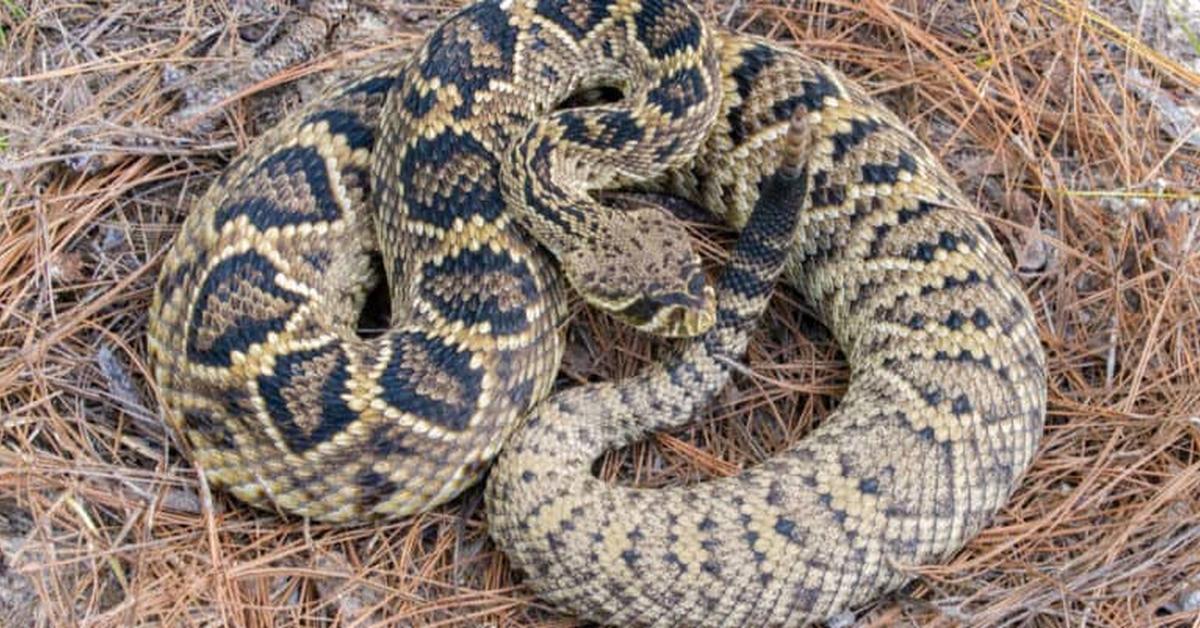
[(672, 315), (693, 319)]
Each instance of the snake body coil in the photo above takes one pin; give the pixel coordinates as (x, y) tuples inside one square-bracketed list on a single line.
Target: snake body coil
[(252, 327)]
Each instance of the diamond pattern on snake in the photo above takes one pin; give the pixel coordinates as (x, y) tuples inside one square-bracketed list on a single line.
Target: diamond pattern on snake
[(457, 166)]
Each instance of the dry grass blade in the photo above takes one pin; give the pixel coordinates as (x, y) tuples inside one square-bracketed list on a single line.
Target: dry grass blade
[(102, 521)]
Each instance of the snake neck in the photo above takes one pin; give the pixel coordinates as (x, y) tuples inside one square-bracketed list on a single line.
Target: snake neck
[(608, 416)]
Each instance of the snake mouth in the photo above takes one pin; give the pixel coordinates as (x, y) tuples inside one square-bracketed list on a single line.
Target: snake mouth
[(672, 315)]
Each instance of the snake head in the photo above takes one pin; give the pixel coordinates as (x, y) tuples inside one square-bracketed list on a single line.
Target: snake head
[(643, 270)]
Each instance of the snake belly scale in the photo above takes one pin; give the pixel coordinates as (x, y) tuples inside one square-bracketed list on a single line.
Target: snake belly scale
[(455, 166)]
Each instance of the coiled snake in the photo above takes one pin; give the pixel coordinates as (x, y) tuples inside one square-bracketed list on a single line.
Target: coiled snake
[(456, 167)]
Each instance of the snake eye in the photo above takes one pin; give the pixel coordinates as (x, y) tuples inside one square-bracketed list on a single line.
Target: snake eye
[(672, 314), (640, 312)]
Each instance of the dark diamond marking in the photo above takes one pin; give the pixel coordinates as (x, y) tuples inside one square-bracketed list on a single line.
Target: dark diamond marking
[(265, 213), (465, 194), (414, 358), (493, 287), (243, 274), (334, 413)]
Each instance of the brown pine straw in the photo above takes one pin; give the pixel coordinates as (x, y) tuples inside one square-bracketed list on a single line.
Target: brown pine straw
[(104, 523)]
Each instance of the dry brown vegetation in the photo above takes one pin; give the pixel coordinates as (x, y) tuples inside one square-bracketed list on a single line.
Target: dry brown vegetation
[(1063, 123)]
